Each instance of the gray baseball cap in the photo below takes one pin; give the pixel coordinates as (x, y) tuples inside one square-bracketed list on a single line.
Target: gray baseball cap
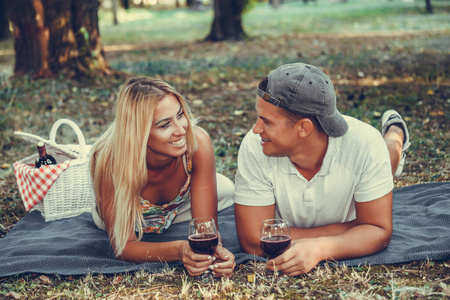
[(304, 89)]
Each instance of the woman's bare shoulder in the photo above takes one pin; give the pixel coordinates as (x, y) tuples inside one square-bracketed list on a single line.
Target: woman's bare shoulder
[(201, 135)]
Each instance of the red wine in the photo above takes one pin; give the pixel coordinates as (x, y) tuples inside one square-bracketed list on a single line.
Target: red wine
[(205, 243), (43, 159), (275, 245)]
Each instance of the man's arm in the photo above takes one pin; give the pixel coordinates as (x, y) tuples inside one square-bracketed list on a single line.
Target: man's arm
[(248, 225), (327, 230), (249, 220), (372, 233)]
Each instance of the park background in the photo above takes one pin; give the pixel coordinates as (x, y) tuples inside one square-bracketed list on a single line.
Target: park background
[(379, 55)]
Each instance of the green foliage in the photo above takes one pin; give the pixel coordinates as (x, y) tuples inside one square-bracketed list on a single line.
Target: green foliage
[(249, 5)]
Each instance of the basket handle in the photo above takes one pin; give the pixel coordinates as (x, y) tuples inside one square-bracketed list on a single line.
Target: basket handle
[(77, 130)]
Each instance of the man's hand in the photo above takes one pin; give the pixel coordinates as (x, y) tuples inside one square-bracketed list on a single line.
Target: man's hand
[(300, 258)]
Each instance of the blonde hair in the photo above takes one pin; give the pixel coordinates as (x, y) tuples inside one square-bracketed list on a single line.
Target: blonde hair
[(118, 164)]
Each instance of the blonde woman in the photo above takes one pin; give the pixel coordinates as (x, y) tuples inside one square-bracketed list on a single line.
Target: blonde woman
[(154, 167)]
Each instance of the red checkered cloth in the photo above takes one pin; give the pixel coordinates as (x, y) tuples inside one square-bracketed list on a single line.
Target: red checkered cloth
[(34, 183)]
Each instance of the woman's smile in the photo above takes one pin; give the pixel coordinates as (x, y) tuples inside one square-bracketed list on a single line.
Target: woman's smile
[(179, 143)]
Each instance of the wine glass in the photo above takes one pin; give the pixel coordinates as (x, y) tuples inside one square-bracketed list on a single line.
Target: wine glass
[(203, 237), (275, 237)]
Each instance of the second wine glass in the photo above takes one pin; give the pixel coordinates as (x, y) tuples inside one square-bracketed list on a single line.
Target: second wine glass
[(275, 237)]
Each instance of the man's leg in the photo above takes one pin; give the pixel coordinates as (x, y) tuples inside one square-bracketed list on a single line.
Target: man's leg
[(396, 136), (394, 141)]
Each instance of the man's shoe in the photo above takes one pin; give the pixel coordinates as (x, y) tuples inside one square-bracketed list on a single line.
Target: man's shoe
[(392, 117)]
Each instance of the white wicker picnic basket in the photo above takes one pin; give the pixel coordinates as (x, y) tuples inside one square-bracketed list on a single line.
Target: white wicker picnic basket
[(71, 194)]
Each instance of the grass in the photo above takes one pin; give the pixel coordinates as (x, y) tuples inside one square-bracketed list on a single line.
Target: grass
[(293, 17), (379, 54), (364, 282)]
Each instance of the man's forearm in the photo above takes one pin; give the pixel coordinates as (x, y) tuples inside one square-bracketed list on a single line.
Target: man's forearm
[(327, 230), (359, 241)]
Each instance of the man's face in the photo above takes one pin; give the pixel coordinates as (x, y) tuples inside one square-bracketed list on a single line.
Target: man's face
[(278, 138)]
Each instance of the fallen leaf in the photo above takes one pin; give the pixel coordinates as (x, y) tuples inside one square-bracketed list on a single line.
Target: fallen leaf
[(13, 295), (251, 278), (437, 113), (117, 280), (278, 290), (45, 280)]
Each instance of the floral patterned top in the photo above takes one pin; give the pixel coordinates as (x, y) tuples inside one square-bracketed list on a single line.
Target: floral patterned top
[(160, 217)]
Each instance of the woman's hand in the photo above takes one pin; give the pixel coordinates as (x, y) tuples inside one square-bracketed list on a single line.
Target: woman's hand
[(224, 264), (196, 264)]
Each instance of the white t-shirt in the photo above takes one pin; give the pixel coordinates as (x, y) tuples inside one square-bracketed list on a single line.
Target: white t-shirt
[(356, 167)]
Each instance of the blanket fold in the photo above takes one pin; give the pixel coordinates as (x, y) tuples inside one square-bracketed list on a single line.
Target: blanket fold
[(75, 246)]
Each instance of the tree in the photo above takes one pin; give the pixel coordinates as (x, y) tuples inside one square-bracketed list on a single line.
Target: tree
[(125, 4), (54, 36), (275, 3), (4, 23), (114, 10), (227, 22), (429, 6)]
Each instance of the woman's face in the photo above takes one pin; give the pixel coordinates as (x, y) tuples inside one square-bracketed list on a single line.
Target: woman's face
[(168, 133)]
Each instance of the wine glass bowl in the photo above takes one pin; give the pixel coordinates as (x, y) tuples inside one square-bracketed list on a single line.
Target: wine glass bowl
[(275, 237), (203, 237)]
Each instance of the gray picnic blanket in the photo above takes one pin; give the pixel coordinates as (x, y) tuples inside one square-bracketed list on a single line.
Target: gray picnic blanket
[(75, 246)]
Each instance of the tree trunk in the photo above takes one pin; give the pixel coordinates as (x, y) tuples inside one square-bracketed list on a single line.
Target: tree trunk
[(227, 23), (114, 10), (125, 4), (5, 33), (54, 36), (275, 3), (429, 6)]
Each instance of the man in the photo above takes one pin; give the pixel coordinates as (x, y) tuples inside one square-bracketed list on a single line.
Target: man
[(330, 176)]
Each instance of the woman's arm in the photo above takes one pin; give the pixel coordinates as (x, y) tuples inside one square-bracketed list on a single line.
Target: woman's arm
[(204, 197), (138, 252), (203, 178)]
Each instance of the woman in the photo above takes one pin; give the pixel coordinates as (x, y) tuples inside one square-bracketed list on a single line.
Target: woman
[(152, 167)]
